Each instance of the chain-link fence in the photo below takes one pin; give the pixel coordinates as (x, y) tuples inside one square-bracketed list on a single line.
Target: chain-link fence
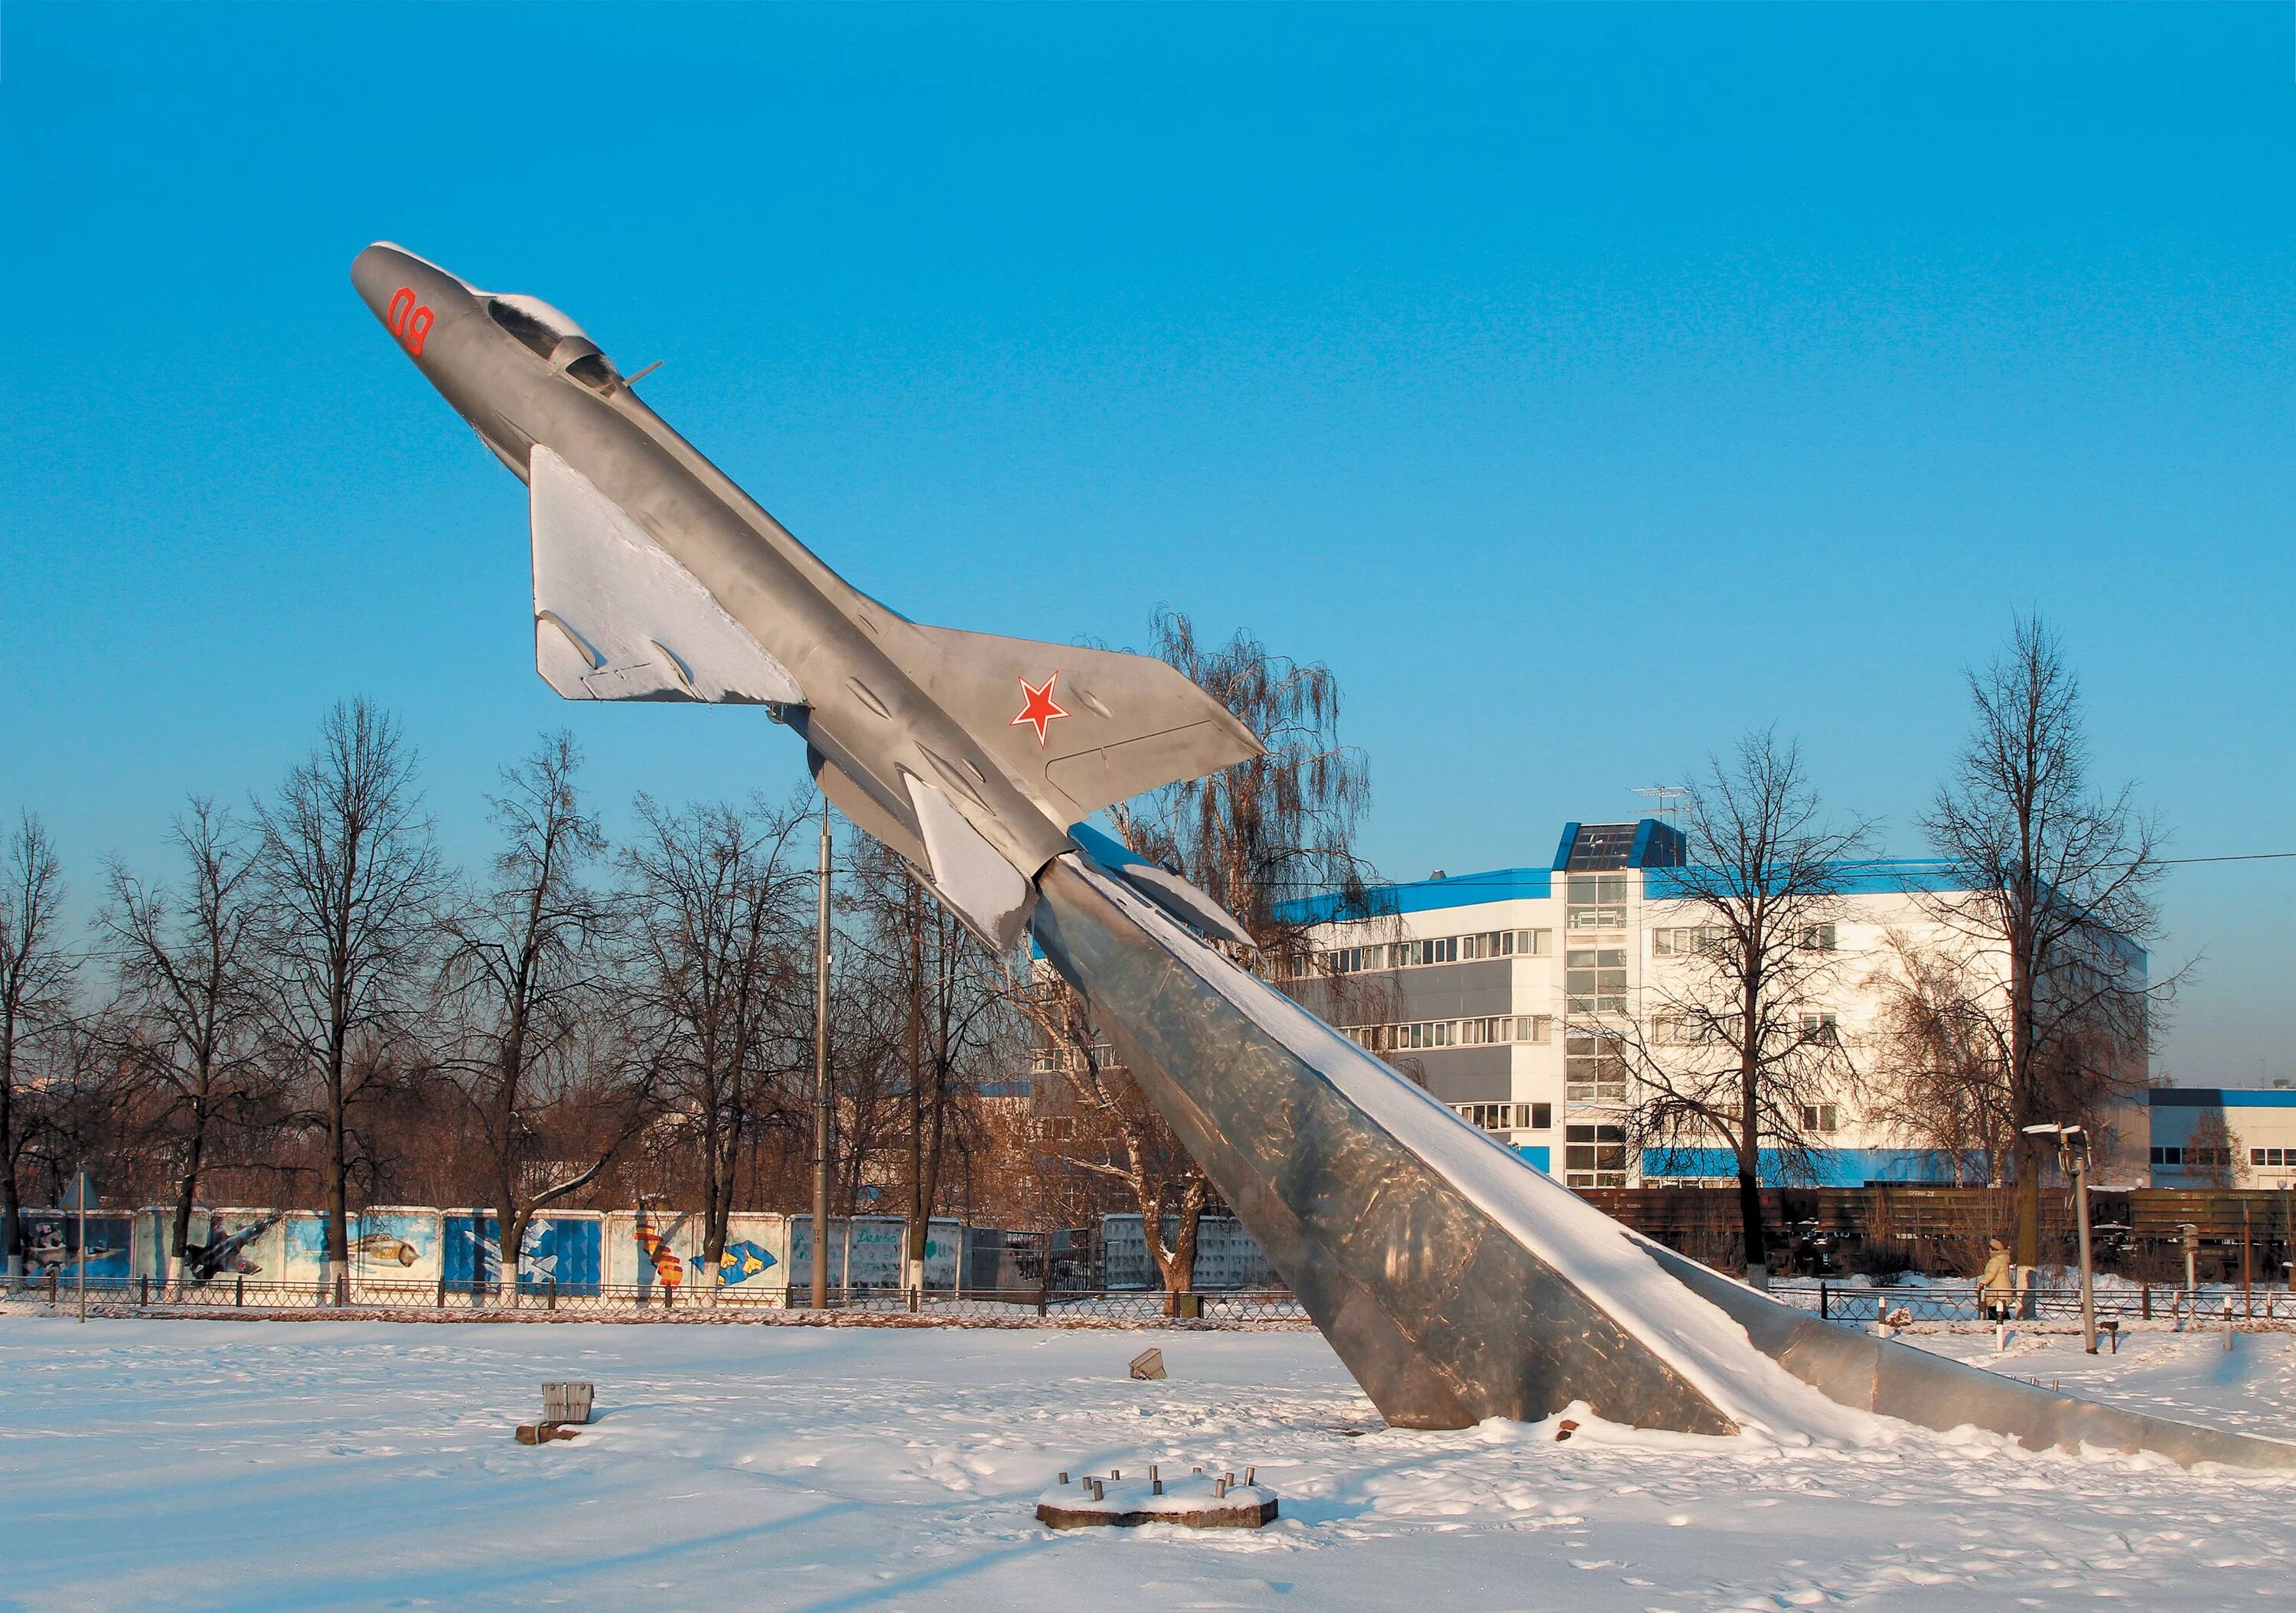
[(660, 1301), (1931, 1302)]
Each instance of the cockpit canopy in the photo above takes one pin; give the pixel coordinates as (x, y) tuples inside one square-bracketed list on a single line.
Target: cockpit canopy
[(554, 338)]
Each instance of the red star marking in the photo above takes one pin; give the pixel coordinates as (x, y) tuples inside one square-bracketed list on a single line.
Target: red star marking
[(1039, 711)]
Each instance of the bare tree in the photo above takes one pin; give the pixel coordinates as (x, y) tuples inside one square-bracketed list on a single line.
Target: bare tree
[(2212, 1152), (2056, 889), (86, 1117), (530, 977), (1117, 1135), (1939, 1070), (187, 964), (36, 986), (350, 877), (1741, 1049), (1257, 837), (1280, 826), (725, 975), (944, 988)]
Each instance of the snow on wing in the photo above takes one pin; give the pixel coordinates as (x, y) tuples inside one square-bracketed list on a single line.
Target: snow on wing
[(616, 618), (1129, 723)]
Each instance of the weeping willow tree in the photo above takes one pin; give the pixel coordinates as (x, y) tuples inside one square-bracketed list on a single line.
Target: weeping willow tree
[(1273, 840), (1260, 834)]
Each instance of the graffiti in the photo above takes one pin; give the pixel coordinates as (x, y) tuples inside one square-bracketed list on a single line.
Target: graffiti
[(743, 1260)]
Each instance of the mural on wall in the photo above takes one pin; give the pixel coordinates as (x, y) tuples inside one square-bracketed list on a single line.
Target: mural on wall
[(227, 1250), (654, 1247), (566, 1253), (1225, 1256), (743, 1260), (52, 1243), (305, 1248), (395, 1244)]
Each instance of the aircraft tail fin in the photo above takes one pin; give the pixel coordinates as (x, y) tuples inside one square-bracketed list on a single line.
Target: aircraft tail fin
[(1079, 728)]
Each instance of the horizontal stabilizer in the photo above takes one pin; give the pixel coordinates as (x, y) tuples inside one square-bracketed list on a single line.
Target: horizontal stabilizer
[(1179, 897), (1080, 729), (616, 618)]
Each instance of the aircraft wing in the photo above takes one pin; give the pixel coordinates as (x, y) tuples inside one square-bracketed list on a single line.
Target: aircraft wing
[(616, 618)]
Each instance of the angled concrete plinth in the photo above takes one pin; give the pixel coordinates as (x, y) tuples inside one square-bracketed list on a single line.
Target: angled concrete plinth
[(1442, 1313), (1443, 1317)]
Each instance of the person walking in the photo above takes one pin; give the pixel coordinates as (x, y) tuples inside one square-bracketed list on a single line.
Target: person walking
[(1996, 1289)]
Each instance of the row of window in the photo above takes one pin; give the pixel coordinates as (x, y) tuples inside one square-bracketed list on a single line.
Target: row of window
[(1687, 1030), (1452, 1033), (1686, 941), (1676, 942), (1507, 1117), (2218, 1158), (1433, 948), (2200, 1159)]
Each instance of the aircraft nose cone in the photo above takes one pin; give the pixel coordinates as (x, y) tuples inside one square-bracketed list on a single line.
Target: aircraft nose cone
[(407, 293), (379, 272)]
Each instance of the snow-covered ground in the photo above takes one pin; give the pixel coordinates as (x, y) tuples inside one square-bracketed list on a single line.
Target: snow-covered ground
[(209, 1464)]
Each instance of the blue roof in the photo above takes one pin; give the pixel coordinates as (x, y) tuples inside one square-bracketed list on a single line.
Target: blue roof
[(2222, 1098), (1869, 877), (1424, 895)]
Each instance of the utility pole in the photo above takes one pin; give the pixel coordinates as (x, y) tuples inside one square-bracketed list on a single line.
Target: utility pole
[(821, 1078)]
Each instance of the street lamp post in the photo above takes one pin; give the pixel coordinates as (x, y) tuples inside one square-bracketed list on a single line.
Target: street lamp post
[(821, 1076), (2072, 1156)]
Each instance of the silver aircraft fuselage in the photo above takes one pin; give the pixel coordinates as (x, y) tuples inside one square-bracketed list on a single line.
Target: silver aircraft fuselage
[(861, 709)]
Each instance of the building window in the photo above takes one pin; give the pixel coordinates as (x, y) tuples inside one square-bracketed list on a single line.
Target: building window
[(1505, 1117), (1596, 901), (2198, 1159), (1504, 943), (1824, 1028), (1594, 1156), (1686, 942), (1494, 1031), (1594, 1069), (1819, 938), (1595, 979), (1820, 1117), (1436, 949)]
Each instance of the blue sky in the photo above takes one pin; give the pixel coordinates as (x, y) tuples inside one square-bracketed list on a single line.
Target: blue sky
[(1584, 386)]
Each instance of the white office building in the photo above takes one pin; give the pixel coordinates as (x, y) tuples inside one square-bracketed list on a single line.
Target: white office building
[(1493, 989)]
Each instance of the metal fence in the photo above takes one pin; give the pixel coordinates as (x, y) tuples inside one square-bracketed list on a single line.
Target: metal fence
[(1962, 1302), (665, 1303)]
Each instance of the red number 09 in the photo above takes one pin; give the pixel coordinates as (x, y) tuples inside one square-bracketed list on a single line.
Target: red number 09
[(407, 321)]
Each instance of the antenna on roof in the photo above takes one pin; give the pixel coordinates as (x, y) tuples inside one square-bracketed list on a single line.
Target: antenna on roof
[(1670, 804)]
